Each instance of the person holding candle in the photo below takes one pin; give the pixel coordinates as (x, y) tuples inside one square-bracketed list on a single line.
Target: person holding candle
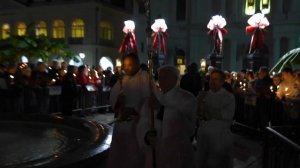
[(286, 93), (286, 87)]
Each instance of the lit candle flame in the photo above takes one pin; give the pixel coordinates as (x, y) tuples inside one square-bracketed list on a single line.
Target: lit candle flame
[(271, 88)]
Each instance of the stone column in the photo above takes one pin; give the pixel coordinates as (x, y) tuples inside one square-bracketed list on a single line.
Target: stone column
[(276, 50), (293, 41), (233, 55)]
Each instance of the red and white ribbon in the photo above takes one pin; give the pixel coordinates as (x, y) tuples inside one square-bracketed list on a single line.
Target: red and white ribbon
[(257, 23), (159, 28), (217, 31), (129, 44)]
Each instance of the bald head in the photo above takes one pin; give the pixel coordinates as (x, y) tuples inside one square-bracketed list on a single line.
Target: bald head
[(167, 78)]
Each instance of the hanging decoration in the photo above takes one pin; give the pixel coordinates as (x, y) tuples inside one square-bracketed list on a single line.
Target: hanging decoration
[(159, 35), (257, 24), (129, 44), (217, 31)]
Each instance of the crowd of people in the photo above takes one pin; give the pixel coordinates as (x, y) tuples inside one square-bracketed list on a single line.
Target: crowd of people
[(25, 87), (262, 98)]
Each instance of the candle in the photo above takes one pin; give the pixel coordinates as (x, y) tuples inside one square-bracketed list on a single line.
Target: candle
[(286, 91), (118, 63), (271, 88)]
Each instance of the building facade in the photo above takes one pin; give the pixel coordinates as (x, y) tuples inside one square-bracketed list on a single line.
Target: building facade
[(93, 29), (187, 28)]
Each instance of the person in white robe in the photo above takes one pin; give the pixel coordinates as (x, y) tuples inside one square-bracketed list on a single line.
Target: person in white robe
[(127, 98), (214, 138), (177, 122)]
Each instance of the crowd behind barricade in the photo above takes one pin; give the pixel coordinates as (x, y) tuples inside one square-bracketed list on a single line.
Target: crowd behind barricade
[(37, 88), (262, 99)]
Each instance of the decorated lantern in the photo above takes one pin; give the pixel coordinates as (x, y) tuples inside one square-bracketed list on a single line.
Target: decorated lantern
[(257, 23), (217, 31), (129, 44)]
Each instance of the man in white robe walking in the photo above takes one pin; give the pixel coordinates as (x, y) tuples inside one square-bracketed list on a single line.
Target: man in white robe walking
[(177, 119), (127, 98), (214, 138)]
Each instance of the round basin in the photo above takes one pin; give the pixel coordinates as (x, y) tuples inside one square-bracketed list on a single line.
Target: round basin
[(51, 141)]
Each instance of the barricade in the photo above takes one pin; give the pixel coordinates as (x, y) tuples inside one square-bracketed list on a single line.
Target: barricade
[(46, 100), (264, 112)]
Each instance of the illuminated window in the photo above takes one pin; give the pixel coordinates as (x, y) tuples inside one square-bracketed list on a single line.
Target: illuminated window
[(179, 61), (265, 6), (78, 28), (250, 7), (105, 30), (5, 31), (58, 29), (41, 29), (21, 29)]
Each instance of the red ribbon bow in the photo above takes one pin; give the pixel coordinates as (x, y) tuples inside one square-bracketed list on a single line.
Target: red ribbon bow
[(217, 34), (258, 37), (128, 44), (162, 37)]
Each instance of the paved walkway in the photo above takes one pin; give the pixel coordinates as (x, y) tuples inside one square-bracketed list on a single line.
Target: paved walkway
[(247, 151)]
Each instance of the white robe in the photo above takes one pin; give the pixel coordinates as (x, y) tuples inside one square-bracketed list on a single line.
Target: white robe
[(214, 139), (174, 147), (125, 151)]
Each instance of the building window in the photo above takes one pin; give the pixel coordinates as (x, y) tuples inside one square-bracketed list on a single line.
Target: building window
[(58, 29), (250, 7), (265, 6), (105, 30), (41, 29), (78, 28), (5, 31), (21, 29), (216, 6), (286, 6), (181, 10)]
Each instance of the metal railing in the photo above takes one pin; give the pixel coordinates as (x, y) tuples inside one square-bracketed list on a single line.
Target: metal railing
[(47, 100), (282, 147)]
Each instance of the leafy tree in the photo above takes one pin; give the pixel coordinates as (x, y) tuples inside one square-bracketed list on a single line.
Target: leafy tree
[(14, 47)]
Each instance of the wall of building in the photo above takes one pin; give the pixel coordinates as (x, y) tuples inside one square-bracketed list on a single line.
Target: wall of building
[(191, 34), (91, 13)]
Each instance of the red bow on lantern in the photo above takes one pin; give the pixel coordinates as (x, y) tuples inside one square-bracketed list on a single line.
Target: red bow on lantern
[(128, 45), (217, 35), (258, 38), (159, 37), (257, 24), (216, 29)]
